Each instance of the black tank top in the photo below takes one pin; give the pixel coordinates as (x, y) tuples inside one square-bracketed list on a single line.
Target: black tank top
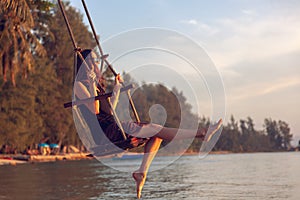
[(104, 119)]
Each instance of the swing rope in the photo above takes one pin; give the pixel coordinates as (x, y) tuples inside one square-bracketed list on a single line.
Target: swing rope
[(104, 59), (77, 51)]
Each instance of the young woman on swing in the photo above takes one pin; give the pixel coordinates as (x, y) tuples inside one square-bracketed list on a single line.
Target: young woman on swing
[(86, 86)]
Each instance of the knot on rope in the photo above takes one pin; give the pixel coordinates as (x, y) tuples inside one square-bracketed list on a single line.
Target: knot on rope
[(77, 49)]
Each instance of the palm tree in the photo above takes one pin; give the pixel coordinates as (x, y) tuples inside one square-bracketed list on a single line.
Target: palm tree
[(18, 40)]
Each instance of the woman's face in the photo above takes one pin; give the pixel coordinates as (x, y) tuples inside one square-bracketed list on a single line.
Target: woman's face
[(93, 60)]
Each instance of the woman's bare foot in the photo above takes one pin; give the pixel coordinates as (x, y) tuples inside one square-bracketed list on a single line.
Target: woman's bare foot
[(206, 134), (140, 178), (201, 133), (212, 130)]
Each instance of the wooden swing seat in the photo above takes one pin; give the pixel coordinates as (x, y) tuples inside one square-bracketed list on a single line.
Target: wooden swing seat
[(117, 147)]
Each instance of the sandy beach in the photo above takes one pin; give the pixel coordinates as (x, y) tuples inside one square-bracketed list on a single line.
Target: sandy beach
[(22, 159)]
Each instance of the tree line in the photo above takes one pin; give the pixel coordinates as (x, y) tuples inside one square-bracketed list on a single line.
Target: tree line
[(36, 57), (243, 137), (36, 61), (237, 136)]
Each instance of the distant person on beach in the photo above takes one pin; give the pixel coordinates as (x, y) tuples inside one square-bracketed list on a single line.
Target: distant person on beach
[(86, 86)]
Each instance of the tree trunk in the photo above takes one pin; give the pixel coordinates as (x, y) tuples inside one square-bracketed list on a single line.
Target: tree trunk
[(12, 76), (5, 62)]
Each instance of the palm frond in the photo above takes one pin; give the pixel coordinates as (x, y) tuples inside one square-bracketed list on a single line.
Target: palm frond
[(17, 9), (5, 40), (20, 36), (6, 3), (27, 61)]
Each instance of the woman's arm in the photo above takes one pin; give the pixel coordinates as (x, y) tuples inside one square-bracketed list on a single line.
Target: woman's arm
[(116, 92), (82, 93)]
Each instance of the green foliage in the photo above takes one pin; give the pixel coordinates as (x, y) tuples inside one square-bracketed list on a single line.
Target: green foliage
[(59, 46), (21, 124), (245, 138), (32, 110), (230, 138), (278, 134), (21, 30)]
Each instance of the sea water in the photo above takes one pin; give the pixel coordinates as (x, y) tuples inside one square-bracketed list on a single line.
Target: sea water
[(258, 176)]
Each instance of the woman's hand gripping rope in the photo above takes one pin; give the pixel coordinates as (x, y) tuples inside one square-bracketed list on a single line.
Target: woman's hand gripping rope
[(92, 76)]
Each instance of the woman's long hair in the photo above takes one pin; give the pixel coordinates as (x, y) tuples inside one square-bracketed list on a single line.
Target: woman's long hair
[(83, 70)]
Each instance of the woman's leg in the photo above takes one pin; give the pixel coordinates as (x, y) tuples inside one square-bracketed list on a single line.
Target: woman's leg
[(153, 130), (153, 145), (150, 151)]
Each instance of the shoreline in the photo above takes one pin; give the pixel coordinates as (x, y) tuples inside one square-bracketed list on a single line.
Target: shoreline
[(16, 159), (13, 159)]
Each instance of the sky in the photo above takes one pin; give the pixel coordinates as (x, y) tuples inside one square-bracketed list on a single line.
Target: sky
[(254, 44)]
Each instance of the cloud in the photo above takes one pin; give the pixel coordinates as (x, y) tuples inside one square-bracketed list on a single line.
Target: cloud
[(200, 26), (190, 22), (259, 39), (257, 50), (263, 77), (260, 89), (288, 82), (249, 12)]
